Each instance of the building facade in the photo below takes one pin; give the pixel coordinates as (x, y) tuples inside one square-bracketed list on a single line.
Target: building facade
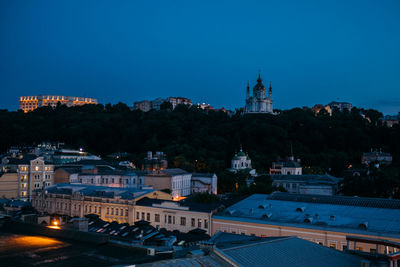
[(204, 183), (9, 186), (158, 161), (155, 104), (308, 184), (241, 162), (326, 220), (176, 180), (33, 173), (376, 157), (30, 103), (290, 167), (111, 204), (259, 102), (124, 206)]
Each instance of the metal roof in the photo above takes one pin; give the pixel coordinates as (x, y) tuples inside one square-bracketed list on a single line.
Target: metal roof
[(98, 191), (291, 251), (342, 214)]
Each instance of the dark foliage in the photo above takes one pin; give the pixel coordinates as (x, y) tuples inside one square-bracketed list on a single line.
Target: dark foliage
[(205, 142)]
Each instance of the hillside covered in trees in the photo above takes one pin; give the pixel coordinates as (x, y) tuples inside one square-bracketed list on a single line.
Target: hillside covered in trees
[(198, 141)]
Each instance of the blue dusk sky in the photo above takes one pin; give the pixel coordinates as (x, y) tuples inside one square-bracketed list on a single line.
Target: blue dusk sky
[(126, 50)]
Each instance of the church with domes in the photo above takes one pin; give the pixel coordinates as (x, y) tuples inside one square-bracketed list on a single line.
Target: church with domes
[(242, 162), (259, 102)]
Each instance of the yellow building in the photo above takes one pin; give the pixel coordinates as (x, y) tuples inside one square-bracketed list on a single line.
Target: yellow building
[(32, 173), (9, 185), (30, 103)]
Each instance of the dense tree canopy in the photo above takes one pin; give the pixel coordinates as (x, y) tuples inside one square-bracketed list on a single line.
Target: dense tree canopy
[(196, 140)]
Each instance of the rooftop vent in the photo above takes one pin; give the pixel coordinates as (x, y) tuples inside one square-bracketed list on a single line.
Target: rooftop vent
[(230, 212), (301, 209), (308, 220), (266, 216), (363, 225)]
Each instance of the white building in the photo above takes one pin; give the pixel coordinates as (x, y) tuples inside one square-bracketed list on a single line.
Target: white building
[(241, 162), (259, 102), (176, 180), (204, 182), (290, 167)]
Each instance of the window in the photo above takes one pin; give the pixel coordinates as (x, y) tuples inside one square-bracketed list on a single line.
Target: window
[(173, 219), (95, 209), (169, 219), (344, 247), (126, 212), (112, 211), (206, 223), (157, 217), (90, 209), (122, 212), (183, 220), (142, 215), (148, 217), (137, 215), (99, 210), (372, 250), (116, 211), (112, 180), (332, 245), (193, 222), (199, 223), (108, 211)]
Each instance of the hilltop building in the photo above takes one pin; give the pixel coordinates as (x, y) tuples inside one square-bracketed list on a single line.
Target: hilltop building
[(158, 161), (259, 102), (288, 167), (30, 103), (241, 162), (377, 157), (389, 120), (147, 105)]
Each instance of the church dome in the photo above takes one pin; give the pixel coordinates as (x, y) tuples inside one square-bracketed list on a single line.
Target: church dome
[(259, 86), (241, 154)]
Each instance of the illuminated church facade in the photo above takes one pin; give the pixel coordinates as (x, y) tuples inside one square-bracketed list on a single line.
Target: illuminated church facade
[(259, 102)]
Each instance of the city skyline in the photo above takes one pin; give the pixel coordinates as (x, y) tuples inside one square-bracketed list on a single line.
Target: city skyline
[(313, 53)]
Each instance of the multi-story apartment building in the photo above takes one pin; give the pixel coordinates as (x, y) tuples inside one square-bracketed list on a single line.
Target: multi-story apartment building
[(33, 173), (30, 103), (326, 220), (124, 205)]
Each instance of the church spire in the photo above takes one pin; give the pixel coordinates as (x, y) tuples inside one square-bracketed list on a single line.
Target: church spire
[(270, 89), (259, 80), (248, 90)]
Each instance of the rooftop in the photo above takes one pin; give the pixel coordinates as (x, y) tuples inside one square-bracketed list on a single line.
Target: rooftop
[(309, 178), (337, 213), (98, 191), (190, 205)]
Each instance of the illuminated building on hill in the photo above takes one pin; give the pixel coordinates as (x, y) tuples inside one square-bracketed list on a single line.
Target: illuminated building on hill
[(30, 103)]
